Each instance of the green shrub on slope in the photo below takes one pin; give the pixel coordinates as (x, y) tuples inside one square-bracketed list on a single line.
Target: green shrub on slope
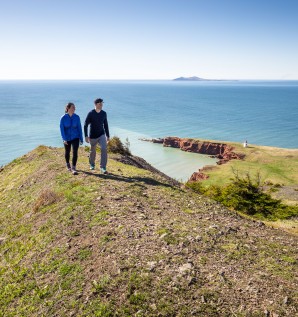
[(246, 195)]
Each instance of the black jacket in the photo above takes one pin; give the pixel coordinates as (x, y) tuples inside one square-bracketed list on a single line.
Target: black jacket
[(98, 124)]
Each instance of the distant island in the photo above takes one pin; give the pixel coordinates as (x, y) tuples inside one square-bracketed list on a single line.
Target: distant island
[(193, 78)]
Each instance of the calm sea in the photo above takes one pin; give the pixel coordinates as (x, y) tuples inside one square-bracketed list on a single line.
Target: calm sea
[(262, 112)]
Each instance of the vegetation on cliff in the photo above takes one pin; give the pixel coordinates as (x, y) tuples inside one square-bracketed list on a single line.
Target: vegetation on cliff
[(245, 194), (132, 243), (276, 167)]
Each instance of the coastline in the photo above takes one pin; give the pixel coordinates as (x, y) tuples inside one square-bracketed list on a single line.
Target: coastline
[(275, 166)]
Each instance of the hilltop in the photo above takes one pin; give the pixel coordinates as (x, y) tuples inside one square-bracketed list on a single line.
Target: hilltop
[(132, 243)]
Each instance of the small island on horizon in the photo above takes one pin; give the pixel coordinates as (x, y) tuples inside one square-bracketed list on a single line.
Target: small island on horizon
[(195, 78)]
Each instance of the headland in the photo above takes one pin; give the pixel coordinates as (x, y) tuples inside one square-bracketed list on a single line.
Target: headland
[(277, 166)]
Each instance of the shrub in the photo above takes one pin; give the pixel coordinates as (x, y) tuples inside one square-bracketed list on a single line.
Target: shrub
[(46, 198), (116, 146), (246, 195)]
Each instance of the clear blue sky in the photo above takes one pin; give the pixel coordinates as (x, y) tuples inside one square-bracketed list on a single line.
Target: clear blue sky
[(148, 39)]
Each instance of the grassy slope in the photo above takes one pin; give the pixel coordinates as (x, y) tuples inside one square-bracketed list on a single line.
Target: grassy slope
[(129, 244), (279, 166)]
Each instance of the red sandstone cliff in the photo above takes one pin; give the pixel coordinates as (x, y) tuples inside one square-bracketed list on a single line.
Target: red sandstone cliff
[(223, 152)]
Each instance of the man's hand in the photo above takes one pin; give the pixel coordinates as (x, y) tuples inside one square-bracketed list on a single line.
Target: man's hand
[(87, 139), (108, 140)]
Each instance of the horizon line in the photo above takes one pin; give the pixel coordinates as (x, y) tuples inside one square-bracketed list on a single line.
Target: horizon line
[(137, 79)]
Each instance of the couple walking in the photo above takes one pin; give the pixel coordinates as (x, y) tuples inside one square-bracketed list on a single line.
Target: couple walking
[(72, 136)]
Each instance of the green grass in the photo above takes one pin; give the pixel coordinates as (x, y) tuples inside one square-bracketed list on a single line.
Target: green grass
[(274, 164), (80, 246)]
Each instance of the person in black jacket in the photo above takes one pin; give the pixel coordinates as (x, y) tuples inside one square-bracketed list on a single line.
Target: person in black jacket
[(98, 134)]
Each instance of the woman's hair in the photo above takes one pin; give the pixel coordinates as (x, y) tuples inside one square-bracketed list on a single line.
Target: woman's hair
[(67, 107)]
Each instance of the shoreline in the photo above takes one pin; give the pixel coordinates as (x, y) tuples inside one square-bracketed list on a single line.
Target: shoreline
[(222, 151), (277, 167)]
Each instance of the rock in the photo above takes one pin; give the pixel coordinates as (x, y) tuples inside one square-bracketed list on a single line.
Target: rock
[(213, 227), (154, 140), (151, 265), (185, 267), (222, 276), (286, 300), (142, 216), (191, 280), (86, 300), (198, 176), (260, 224)]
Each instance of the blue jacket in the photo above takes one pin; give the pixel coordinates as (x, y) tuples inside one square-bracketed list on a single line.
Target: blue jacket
[(70, 127)]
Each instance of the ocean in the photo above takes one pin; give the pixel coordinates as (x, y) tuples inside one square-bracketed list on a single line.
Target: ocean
[(261, 112)]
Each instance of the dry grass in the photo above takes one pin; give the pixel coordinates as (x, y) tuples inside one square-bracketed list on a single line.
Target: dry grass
[(47, 197)]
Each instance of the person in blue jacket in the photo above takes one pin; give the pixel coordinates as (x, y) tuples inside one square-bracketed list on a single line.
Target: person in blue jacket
[(72, 136)]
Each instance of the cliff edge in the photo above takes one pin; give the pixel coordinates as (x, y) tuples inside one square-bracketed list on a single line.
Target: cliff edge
[(222, 151)]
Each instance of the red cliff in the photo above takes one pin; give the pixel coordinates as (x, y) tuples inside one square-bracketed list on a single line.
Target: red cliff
[(223, 152)]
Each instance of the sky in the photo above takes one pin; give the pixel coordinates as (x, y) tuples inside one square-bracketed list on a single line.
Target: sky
[(149, 39)]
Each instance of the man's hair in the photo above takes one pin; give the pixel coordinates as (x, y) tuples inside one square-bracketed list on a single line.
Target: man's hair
[(98, 100)]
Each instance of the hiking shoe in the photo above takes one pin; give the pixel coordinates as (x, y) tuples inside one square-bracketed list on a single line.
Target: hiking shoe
[(68, 167), (103, 170), (74, 171), (92, 167)]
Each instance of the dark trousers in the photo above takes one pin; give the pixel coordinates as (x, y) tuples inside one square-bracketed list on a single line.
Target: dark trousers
[(75, 147)]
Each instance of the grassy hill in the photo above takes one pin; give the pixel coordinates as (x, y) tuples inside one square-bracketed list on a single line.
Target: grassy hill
[(131, 243), (276, 166)]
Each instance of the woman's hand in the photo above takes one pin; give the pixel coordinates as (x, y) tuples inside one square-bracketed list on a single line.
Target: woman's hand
[(65, 142)]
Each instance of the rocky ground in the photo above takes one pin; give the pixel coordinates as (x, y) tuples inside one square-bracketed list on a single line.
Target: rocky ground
[(132, 243)]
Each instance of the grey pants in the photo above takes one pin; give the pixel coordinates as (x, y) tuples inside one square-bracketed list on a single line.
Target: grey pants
[(102, 141)]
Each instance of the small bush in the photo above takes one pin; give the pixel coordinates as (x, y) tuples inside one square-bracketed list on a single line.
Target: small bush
[(46, 198), (196, 186), (116, 146)]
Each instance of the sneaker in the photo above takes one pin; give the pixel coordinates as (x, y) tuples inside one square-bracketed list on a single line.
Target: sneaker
[(92, 167), (68, 167), (103, 170), (74, 171)]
